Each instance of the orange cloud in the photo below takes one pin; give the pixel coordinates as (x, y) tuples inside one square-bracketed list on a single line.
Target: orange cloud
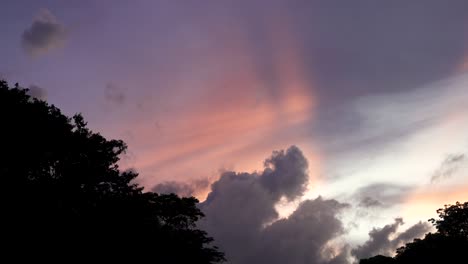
[(425, 201), (463, 67), (233, 117)]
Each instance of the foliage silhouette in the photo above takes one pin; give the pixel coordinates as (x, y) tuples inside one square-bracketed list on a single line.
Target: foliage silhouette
[(453, 220), (67, 194), (448, 245), (379, 259)]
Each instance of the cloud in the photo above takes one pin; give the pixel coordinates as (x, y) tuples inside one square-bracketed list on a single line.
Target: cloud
[(37, 92), (192, 188), (379, 53), (381, 195), (402, 139), (449, 166), (304, 236), (241, 215), (422, 203), (386, 240), (45, 33), (369, 202), (114, 94), (285, 173), (391, 117)]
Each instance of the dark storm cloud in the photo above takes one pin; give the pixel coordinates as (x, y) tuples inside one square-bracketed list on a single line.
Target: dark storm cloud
[(241, 215), (182, 188), (37, 92), (45, 33), (386, 240), (114, 94), (449, 166)]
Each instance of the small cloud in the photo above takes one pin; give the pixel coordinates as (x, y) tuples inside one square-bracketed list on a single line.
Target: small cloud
[(45, 34), (370, 202), (380, 195), (449, 166), (37, 92), (184, 189), (114, 94)]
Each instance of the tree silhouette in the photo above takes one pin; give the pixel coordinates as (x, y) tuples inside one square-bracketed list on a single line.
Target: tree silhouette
[(379, 259), (453, 220), (448, 245), (65, 193)]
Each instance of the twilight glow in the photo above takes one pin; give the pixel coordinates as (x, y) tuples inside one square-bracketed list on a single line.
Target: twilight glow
[(372, 93)]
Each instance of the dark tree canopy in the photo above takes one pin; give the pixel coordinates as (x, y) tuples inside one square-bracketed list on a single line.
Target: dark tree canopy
[(379, 259), (65, 192), (448, 245), (453, 220)]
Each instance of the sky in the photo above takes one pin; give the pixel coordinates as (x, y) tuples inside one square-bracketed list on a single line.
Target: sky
[(315, 131)]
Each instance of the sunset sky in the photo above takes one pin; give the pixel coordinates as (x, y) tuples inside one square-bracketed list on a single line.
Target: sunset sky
[(372, 94)]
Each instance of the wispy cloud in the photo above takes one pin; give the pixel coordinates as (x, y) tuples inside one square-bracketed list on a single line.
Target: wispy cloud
[(400, 138), (449, 166), (114, 94)]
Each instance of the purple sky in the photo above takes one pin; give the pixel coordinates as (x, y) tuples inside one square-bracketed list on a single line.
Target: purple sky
[(373, 93)]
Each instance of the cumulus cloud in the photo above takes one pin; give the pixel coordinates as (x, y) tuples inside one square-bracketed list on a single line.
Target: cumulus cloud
[(44, 34), (114, 94), (285, 173), (304, 236), (449, 166), (386, 240), (37, 92), (185, 189), (241, 215)]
